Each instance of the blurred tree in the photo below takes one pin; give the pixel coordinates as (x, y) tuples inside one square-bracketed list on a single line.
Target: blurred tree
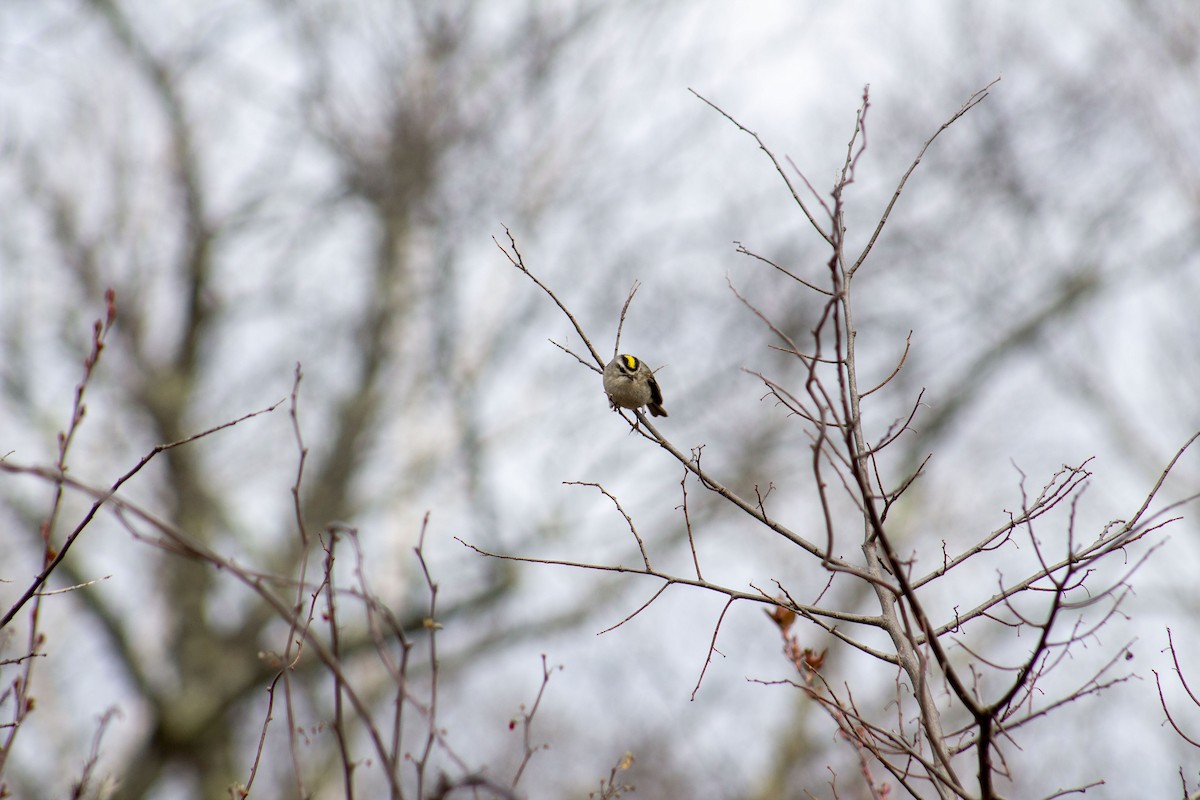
[(272, 183), (263, 185)]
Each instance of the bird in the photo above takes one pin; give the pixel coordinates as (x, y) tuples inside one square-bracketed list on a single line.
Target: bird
[(629, 383)]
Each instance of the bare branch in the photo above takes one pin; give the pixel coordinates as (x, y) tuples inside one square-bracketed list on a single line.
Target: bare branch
[(514, 257), (971, 102), (774, 162), (741, 248), (628, 519), (621, 320), (712, 647), (527, 724)]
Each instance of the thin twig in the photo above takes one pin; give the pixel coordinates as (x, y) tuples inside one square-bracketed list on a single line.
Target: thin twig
[(712, 647), (527, 723), (971, 102), (774, 161), (628, 519), (518, 261), (621, 320)]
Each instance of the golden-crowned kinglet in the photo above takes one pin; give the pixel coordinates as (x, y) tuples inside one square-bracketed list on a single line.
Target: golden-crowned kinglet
[(629, 383)]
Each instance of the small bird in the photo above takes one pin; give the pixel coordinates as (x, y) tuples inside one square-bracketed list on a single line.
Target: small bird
[(629, 383)]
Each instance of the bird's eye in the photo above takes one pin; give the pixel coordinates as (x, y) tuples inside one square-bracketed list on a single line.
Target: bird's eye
[(631, 363)]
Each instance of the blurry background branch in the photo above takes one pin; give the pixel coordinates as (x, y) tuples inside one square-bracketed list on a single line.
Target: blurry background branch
[(318, 182)]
